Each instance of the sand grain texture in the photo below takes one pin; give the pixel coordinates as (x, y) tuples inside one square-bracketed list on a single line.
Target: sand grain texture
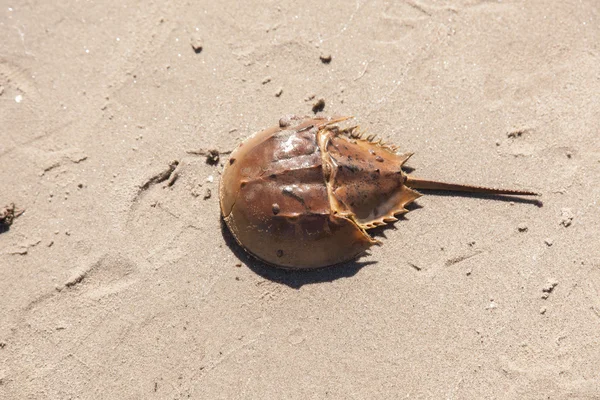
[(117, 281)]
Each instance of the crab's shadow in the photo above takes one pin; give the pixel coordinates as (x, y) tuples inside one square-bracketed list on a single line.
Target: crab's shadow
[(292, 278)]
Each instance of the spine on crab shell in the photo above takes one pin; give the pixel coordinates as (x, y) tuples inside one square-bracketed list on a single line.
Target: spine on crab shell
[(419, 183)]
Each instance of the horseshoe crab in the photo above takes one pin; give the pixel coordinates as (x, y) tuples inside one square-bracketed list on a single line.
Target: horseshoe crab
[(303, 194)]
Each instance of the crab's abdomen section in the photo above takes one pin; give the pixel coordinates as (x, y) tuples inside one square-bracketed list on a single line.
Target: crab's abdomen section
[(366, 179)]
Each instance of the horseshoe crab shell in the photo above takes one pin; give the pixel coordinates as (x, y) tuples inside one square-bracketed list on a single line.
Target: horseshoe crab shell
[(303, 194)]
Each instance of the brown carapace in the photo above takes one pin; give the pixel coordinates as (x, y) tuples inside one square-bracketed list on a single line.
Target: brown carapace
[(303, 194)]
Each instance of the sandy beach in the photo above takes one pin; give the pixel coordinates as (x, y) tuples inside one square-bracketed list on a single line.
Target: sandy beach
[(119, 280)]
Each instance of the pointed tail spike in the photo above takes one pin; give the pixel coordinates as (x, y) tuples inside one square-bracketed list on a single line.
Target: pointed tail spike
[(419, 183)]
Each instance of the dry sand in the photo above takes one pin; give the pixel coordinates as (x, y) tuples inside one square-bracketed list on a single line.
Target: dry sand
[(117, 286)]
